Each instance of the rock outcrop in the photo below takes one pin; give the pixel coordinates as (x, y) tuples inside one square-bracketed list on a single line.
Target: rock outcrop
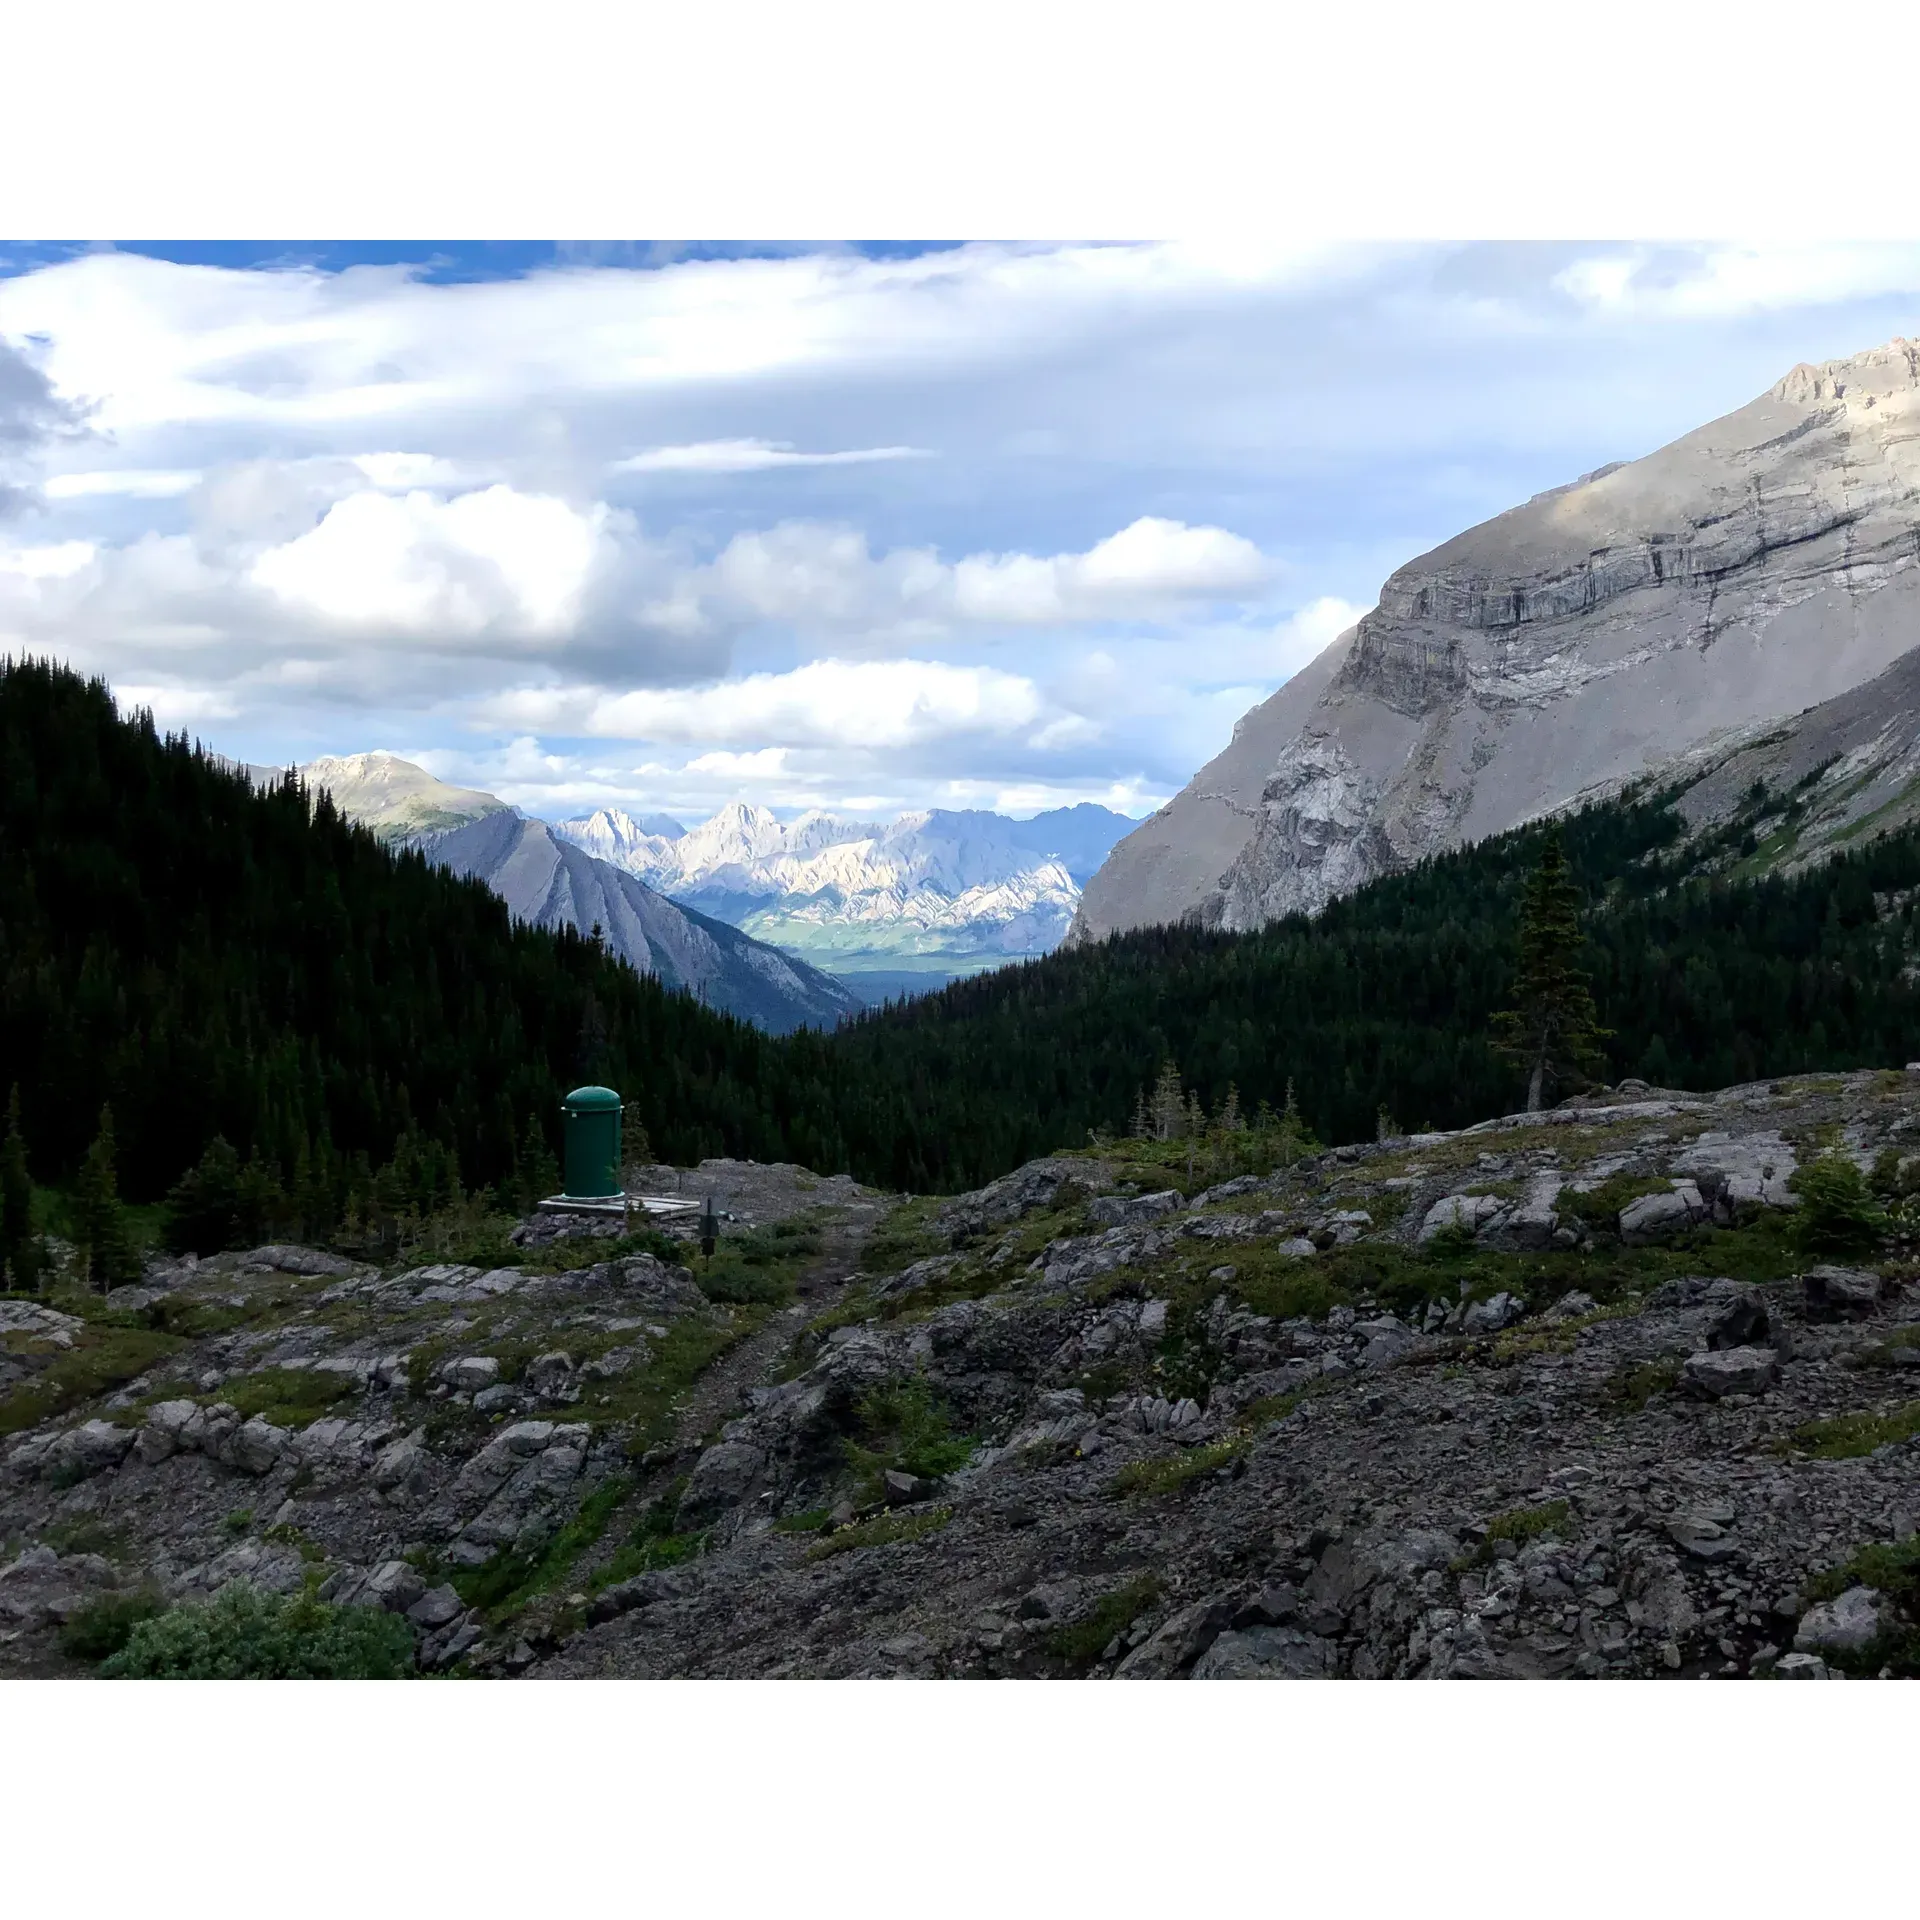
[(1761, 565)]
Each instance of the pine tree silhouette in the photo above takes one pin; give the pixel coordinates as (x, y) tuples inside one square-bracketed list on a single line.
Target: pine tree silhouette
[(1552, 1032)]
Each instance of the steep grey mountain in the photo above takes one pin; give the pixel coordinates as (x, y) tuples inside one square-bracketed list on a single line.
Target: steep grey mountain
[(1758, 566), (551, 883)]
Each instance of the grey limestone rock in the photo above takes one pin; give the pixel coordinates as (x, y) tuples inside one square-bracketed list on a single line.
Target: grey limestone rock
[(1846, 1625), (1658, 1216), (1835, 1293), (1731, 1370)]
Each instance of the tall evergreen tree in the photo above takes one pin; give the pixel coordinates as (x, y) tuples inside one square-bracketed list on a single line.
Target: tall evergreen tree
[(19, 1249), (1552, 1032), (100, 1221)]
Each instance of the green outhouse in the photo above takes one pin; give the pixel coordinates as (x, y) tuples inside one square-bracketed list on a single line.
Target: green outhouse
[(592, 1141)]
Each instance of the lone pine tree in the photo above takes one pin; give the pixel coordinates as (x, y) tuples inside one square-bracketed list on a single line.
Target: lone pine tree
[(19, 1250), (1552, 1032)]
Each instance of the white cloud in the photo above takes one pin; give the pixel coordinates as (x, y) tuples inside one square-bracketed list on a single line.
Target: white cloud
[(136, 483), (891, 704), (496, 561), (1315, 627), (56, 562), (1140, 569), (752, 456), (816, 575), (178, 706), (1647, 282)]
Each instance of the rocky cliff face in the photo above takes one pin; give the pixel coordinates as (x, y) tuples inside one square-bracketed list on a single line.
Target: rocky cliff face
[(1761, 565)]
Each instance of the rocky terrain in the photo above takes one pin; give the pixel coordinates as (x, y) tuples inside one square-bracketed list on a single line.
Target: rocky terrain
[(1764, 564), (1574, 1393)]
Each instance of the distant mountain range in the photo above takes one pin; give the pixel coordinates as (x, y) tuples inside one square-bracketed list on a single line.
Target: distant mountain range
[(942, 892), (549, 882), (914, 903)]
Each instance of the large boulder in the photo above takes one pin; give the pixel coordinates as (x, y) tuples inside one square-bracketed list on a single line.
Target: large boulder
[(1841, 1293), (1267, 1653), (1135, 1209), (1718, 1375), (1849, 1624), (1659, 1216), (1475, 1213)]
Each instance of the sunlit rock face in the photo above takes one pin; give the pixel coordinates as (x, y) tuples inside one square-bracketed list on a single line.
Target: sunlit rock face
[(1761, 565)]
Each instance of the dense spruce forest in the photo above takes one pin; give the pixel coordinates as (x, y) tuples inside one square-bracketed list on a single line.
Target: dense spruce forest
[(210, 961)]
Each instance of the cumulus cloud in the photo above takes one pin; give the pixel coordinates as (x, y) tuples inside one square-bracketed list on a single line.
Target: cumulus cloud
[(752, 456), (818, 575), (491, 562), (336, 510), (864, 704)]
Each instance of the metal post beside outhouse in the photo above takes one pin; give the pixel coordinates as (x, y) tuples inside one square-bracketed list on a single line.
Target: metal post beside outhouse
[(592, 1142)]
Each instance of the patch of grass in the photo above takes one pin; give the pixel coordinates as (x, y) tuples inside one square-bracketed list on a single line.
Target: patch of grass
[(907, 1234), (238, 1521), (1081, 1642), (761, 1265), (1518, 1524), (1632, 1387), (654, 1543), (508, 1581), (87, 1535), (283, 1396), (99, 1359), (1883, 1352), (1149, 1477), (103, 1626), (285, 1534), (886, 1530), (812, 1521), (245, 1634), (1851, 1436)]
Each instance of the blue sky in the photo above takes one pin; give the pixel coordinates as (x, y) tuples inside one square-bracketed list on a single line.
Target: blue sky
[(869, 528)]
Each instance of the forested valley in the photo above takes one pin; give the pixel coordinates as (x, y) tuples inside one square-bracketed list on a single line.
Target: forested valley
[(354, 1036)]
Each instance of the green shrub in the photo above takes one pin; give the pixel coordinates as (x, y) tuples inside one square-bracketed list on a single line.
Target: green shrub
[(1080, 1642), (909, 1430), (245, 1634), (102, 1627), (1837, 1213)]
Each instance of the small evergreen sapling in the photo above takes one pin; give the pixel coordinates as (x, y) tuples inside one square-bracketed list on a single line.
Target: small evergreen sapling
[(1552, 1032), (100, 1222), (19, 1248)]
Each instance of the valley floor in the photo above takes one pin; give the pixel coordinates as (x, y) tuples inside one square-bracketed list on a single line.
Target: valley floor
[(1563, 1394)]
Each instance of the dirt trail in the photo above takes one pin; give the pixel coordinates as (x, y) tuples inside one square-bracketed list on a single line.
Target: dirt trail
[(722, 1389)]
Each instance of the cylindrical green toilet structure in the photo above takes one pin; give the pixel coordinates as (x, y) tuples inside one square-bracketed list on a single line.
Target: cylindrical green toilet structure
[(592, 1143)]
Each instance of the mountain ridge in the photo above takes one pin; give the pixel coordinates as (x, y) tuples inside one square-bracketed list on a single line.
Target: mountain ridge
[(960, 886), (1762, 564)]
